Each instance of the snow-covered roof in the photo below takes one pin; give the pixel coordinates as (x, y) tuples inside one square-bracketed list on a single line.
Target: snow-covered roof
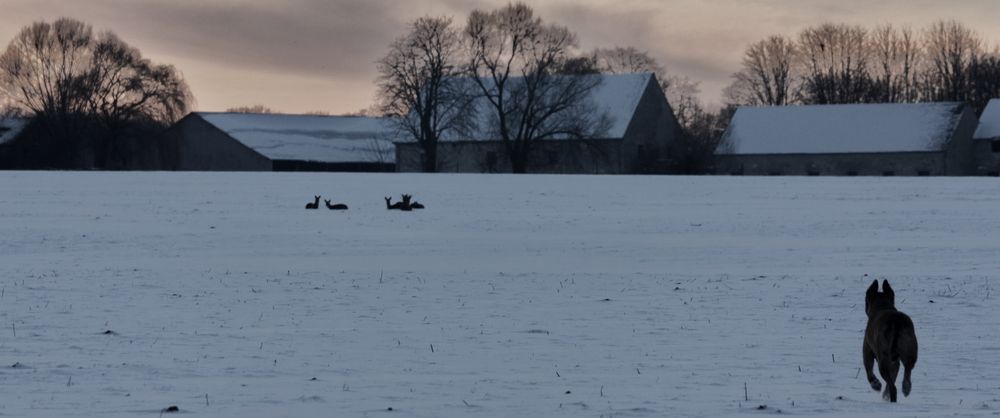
[(835, 129), (332, 139), (616, 96), (10, 128), (989, 121)]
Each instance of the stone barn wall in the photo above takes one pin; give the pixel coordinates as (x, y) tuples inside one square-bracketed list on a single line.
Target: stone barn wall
[(875, 164), (196, 145)]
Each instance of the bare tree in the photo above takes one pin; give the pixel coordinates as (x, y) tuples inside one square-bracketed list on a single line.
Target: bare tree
[(419, 85), (836, 59), (984, 80), (895, 60), (93, 92), (124, 89), (950, 48), (624, 60), (257, 108), (579, 66), (767, 76), (514, 60), (41, 68)]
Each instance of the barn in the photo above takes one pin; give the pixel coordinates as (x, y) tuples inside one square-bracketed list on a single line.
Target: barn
[(10, 128), (987, 140), (640, 136), (206, 141), (926, 139)]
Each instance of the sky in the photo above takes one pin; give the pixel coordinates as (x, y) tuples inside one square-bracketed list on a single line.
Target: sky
[(319, 55)]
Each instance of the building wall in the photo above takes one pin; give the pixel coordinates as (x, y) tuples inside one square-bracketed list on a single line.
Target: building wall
[(987, 160), (316, 166), (646, 147), (872, 164), (650, 141), (960, 155), (547, 157), (196, 145)]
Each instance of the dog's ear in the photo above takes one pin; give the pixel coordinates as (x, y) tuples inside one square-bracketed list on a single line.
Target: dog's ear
[(872, 290), (888, 290)]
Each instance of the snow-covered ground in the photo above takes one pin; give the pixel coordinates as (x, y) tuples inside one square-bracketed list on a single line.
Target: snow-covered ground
[(510, 296)]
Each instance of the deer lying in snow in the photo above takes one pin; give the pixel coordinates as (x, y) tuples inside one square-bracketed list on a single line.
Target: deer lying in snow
[(412, 205), (338, 206), (393, 206), (313, 205), (406, 205)]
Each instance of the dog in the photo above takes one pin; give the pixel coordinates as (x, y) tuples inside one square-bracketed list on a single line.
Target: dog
[(890, 339)]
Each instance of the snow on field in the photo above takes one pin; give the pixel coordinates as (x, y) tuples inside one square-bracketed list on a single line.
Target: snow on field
[(533, 296)]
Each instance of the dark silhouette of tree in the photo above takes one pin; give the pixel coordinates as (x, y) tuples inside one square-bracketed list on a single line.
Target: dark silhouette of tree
[(257, 108), (835, 59), (895, 59), (93, 97), (419, 85), (984, 80), (950, 48), (515, 61), (766, 77), (579, 66), (847, 64)]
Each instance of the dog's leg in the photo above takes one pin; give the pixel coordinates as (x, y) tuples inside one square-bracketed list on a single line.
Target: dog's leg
[(869, 360), (907, 367), (885, 367), (906, 381)]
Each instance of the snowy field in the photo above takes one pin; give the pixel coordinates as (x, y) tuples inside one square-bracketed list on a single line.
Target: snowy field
[(510, 296)]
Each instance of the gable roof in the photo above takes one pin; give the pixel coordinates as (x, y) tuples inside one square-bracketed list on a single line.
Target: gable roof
[(330, 139), (989, 121), (616, 96), (836, 129), (10, 128)]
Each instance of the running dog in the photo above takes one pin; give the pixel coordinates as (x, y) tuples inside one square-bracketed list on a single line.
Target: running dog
[(890, 339)]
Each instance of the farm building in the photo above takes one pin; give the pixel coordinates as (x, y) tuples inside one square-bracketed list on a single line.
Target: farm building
[(640, 131), (929, 139), (273, 142), (987, 140), (10, 128)]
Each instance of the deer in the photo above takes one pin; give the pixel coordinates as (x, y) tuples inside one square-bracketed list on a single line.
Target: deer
[(338, 206), (313, 205), (393, 206), (412, 205)]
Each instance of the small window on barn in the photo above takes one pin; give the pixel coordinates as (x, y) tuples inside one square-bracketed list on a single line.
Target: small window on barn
[(994, 146), (923, 173), (888, 173), (852, 173)]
